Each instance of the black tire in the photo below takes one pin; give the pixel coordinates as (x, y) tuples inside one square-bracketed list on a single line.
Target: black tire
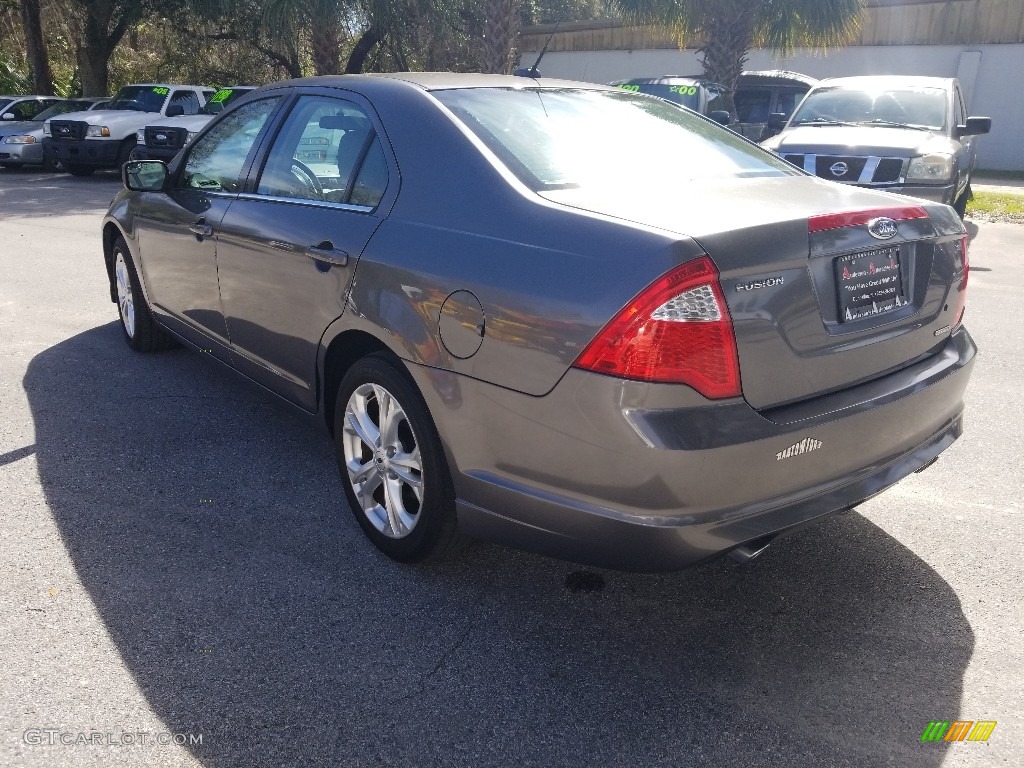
[(51, 165), (79, 170), (141, 333), (433, 532), (124, 154), (960, 205)]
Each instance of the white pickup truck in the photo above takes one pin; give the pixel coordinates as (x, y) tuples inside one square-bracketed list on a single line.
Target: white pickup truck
[(161, 139), (84, 141)]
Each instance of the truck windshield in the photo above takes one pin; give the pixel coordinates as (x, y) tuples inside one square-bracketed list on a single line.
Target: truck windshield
[(221, 99), (140, 98), (912, 107)]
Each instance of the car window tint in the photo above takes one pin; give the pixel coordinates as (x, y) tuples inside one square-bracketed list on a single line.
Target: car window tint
[(188, 100), (608, 141), (716, 101), (753, 105), (216, 160), (318, 151)]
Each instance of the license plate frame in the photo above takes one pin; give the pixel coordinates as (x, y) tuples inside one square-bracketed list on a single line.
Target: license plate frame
[(869, 283)]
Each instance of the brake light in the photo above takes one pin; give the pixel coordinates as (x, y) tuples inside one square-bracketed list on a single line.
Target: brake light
[(961, 297), (677, 330), (853, 218)]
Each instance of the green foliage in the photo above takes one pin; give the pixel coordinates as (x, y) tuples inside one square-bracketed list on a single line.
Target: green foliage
[(13, 81)]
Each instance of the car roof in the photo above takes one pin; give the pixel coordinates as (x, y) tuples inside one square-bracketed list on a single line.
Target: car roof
[(775, 77), (31, 96), (887, 81), (430, 81)]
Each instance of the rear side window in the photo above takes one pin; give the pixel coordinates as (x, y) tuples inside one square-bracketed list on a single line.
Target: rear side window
[(607, 141), (188, 100), (216, 160)]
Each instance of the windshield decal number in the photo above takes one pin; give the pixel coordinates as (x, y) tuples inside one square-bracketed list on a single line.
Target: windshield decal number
[(161, 91), (222, 95), (683, 90)]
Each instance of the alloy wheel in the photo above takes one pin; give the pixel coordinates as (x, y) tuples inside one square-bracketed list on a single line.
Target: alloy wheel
[(382, 457), (125, 299)]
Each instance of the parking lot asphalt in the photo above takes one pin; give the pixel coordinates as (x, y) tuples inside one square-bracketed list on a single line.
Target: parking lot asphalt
[(177, 564)]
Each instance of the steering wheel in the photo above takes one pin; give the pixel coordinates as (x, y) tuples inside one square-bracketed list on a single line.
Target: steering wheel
[(302, 172)]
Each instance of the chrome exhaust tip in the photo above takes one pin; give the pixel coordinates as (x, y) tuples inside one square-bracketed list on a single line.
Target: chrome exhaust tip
[(747, 552)]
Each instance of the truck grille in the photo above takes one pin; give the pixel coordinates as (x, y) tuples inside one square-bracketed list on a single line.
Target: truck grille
[(158, 137), (866, 171), (68, 130)]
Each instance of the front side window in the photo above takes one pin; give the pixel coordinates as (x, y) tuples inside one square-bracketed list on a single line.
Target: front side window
[(913, 107), (609, 142), (216, 160), (753, 105), (25, 110), (319, 152), (787, 100)]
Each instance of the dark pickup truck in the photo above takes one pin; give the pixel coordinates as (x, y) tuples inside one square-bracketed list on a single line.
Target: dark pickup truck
[(909, 135)]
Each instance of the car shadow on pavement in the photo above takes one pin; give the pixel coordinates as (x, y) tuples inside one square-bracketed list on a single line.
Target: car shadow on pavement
[(208, 526)]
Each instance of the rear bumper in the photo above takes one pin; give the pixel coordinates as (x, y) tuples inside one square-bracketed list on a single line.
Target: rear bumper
[(101, 153), (688, 487)]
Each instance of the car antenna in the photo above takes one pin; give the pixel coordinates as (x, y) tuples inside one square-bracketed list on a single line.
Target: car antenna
[(533, 71)]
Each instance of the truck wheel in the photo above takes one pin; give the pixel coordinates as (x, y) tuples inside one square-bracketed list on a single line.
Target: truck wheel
[(79, 170), (125, 153), (960, 205)]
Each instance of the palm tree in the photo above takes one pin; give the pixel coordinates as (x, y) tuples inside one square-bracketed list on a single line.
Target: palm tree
[(728, 29)]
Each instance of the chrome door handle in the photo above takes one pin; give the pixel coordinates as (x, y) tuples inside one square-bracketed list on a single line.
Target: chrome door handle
[(326, 253), (199, 229)]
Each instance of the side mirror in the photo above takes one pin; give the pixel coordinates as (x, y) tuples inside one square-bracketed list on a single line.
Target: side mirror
[(975, 126), (7, 116), (720, 116), (144, 175), (776, 120), (175, 110)]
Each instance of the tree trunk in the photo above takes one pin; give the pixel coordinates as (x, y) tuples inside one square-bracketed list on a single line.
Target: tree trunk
[(366, 43), (730, 36), (501, 30), (38, 58), (324, 37), (93, 70)]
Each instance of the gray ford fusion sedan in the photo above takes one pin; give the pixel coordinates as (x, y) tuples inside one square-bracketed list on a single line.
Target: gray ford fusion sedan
[(562, 316)]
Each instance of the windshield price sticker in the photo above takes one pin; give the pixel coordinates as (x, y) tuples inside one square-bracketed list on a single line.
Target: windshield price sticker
[(683, 90), (627, 87), (222, 95), (869, 283), (161, 91)]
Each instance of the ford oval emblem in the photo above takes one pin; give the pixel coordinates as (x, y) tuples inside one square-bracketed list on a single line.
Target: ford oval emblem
[(883, 228), (162, 136), (839, 169)]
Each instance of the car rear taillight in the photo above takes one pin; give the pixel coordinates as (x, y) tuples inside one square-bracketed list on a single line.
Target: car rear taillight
[(961, 296), (677, 330)]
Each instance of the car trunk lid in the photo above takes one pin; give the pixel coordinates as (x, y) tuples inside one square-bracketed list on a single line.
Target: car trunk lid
[(818, 303)]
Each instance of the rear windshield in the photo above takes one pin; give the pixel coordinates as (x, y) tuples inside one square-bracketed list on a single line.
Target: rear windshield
[(221, 99), (915, 107), (604, 140), (140, 98), (687, 95)]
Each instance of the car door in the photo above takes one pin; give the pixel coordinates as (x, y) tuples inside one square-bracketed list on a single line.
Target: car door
[(177, 228), (288, 247)]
